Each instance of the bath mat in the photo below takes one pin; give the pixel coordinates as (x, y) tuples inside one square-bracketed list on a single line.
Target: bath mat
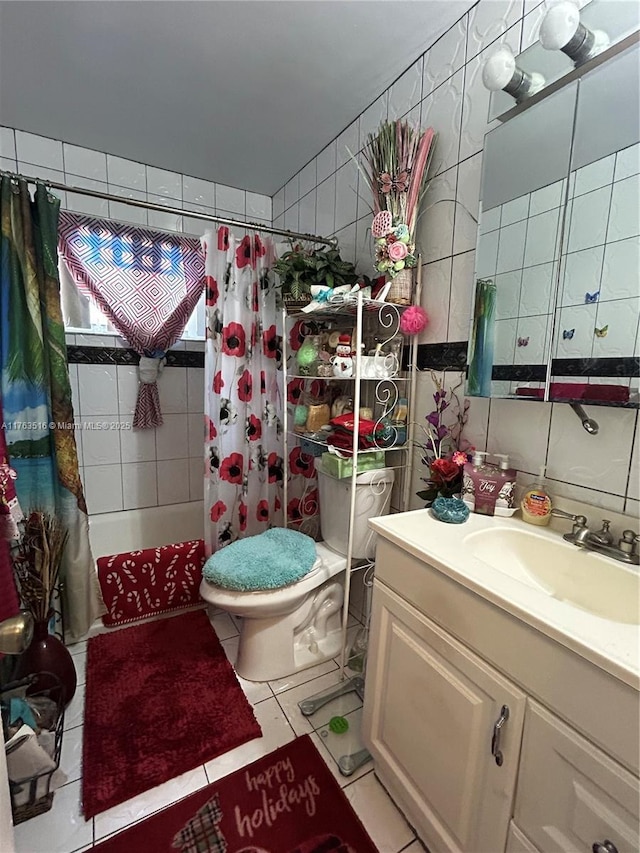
[(286, 802), (138, 584), (161, 699)]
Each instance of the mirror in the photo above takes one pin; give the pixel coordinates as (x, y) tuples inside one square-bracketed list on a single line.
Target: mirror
[(598, 304), (557, 259)]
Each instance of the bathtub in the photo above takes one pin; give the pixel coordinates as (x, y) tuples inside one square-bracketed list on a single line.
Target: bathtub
[(135, 529)]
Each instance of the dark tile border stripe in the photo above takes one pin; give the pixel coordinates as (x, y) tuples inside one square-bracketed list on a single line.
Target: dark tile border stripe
[(122, 355)]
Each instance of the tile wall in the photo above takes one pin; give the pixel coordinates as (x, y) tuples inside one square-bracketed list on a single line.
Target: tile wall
[(444, 89), (123, 469)]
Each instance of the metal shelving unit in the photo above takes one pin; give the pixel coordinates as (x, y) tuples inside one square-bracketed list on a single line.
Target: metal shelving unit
[(383, 393)]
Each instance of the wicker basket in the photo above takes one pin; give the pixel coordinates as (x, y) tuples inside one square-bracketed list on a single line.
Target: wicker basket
[(401, 290), (38, 788)]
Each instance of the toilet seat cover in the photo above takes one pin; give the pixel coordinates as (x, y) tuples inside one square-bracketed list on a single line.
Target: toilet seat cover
[(273, 559)]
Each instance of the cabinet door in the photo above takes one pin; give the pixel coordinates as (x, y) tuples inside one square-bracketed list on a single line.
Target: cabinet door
[(570, 794), (430, 710)]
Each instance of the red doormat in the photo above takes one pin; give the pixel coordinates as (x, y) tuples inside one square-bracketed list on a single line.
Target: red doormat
[(161, 699), (286, 802), (137, 584)]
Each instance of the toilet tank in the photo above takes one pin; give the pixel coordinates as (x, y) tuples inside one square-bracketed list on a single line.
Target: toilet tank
[(373, 497)]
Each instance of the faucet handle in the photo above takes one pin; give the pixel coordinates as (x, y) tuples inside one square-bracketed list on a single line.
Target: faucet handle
[(629, 542), (579, 520)]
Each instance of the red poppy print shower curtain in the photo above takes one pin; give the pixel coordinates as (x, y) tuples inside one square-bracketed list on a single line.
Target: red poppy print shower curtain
[(243, 396)]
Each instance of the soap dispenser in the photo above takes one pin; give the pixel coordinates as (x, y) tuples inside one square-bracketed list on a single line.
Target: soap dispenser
[(536, 503), (469, 477), (505, 502)]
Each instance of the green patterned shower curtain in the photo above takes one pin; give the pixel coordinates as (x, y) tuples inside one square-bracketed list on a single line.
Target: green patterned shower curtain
[(35, 388)]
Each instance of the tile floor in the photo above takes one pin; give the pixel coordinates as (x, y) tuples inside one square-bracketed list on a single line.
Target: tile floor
[(64, 830)]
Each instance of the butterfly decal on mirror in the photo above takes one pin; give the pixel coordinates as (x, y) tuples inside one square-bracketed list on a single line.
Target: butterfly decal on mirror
[(601, 333), (523, 342), (567, 334), (591, 297)]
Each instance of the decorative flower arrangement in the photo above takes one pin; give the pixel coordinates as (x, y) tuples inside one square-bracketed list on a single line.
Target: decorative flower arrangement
[(37, 557), (397, 161), (443, 451)]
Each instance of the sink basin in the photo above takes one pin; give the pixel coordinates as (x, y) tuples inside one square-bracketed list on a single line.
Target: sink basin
[(582, 578)]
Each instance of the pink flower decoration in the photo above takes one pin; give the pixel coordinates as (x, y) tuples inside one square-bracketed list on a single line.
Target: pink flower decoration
[(397, 251)]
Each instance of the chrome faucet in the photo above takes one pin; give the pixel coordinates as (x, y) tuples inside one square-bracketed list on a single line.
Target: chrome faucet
[(626, 551)]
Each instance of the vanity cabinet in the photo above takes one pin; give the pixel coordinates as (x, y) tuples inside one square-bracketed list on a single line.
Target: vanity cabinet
[(443, 662), (431, 725)]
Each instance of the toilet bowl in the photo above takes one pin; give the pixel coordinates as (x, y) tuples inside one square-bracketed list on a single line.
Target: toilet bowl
[(296, 626), (287, 629)]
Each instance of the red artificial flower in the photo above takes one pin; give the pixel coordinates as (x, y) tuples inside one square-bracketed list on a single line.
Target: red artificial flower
[(233, 340), (254, 428), (444, 471), (242, 515), (294, 390), (244, 255), (296, 337), (245, 387), (293, 510), (211, 290), (270, 342), (301, 463), (231, 468), (262, 511), (210, 428), (218, 382), (223, 238), (217, 511), (274, 465)]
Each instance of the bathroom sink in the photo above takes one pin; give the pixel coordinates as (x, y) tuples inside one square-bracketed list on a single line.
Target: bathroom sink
[(579, 577)]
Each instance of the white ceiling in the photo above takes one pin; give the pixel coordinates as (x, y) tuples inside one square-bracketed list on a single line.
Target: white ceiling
[(243, 92)]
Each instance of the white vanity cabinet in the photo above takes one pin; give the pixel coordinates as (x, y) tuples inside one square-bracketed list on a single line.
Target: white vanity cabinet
[(443, 662), (434, 709)]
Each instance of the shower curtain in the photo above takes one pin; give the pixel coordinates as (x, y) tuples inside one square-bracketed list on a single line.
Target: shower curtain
[(244, 399), (34, 383), (243, 390)]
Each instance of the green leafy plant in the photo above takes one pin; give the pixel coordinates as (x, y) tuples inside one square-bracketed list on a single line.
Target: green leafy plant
[(299, 269)]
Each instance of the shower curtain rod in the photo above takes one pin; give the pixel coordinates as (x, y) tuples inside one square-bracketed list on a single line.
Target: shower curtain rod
[(164, 208)]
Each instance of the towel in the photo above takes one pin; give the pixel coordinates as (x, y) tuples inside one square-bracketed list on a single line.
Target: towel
[(273, 559)]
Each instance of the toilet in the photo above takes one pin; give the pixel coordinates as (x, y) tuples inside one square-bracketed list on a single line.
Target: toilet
[(299, 625)]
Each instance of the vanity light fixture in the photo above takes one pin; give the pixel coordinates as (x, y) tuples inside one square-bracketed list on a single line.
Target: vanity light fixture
[(561, 29), (501, 72)]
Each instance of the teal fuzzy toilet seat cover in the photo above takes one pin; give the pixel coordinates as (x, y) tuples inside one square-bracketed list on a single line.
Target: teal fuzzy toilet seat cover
[(273, 559)]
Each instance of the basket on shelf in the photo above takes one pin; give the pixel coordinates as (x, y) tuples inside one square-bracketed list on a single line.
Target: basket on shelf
[(33, 795)]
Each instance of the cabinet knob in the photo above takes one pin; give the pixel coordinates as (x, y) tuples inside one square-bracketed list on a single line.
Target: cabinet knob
[(495, 738), (604, 847)]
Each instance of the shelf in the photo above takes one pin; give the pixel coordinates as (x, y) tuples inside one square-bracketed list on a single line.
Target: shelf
[(347, 306), (391, 449), (352, 378)]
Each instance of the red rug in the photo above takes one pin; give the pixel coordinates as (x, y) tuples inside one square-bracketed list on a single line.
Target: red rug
[(157, 580), (286, 802), (161, 699)]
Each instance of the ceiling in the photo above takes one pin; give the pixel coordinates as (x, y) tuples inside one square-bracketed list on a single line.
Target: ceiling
[(243, 92)]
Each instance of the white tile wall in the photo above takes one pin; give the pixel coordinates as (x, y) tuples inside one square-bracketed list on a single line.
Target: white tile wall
[(455, 102)]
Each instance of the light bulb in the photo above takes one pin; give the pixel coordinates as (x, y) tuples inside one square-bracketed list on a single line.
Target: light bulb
[(499, 69), (562, 30), (501, 72)]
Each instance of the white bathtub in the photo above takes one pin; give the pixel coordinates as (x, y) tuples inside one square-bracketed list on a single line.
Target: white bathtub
[(135, 529)]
